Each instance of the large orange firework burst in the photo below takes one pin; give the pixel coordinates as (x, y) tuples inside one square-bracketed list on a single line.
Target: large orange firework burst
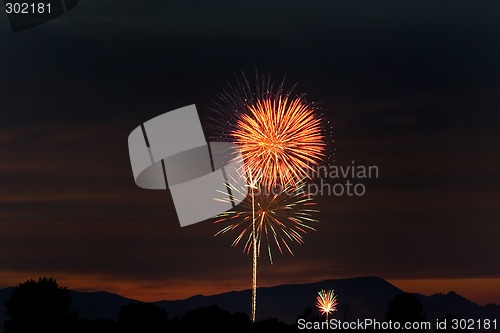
[(282, 216), (280, 136), (326, 302)]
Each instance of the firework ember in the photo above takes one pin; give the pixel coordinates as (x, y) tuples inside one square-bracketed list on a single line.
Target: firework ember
[(326, 302)]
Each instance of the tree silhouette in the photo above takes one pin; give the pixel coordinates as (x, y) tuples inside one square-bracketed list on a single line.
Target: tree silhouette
[(143, 317), (271, 325), (405, 308), (309, 314), (213, 317), (81, 325), (38, 306)]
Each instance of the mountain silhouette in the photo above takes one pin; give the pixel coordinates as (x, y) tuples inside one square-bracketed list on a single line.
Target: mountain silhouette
[(360, 297), (363, 297)]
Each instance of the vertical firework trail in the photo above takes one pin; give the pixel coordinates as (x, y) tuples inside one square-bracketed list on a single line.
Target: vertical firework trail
[(254, 248)]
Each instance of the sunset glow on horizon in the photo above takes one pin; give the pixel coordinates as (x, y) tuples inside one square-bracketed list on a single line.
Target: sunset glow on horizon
[(482, 291)]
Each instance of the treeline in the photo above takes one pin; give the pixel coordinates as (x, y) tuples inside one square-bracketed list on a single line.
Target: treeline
[(44, 306)]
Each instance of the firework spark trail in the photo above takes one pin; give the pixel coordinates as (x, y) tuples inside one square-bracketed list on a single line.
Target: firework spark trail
[(326, 302), (280, 217), (280, 139), (254, 258)]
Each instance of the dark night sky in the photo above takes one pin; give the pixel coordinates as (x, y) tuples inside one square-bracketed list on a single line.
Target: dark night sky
[(411, 87)]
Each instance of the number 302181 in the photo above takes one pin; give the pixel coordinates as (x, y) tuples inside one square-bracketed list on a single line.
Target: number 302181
[(27, 8), (471, 324)]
